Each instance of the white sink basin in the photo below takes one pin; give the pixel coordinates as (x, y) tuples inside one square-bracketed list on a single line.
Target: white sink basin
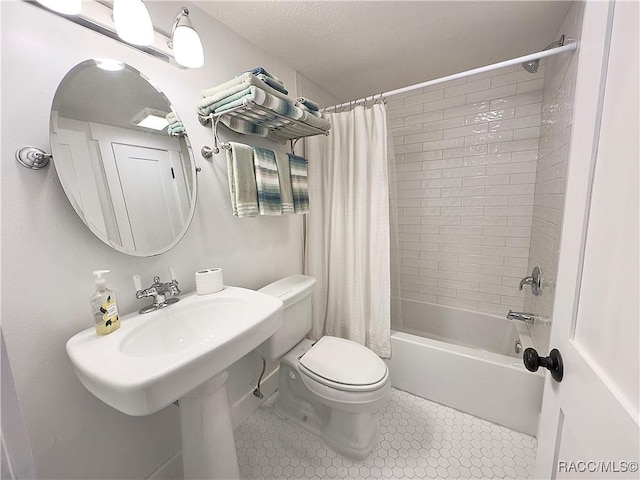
[(154, 359)]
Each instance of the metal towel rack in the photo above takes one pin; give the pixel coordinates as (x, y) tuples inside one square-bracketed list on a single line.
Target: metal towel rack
[(281, 126)]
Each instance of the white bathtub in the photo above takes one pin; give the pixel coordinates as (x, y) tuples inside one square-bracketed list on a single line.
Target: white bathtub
[(466, 360)]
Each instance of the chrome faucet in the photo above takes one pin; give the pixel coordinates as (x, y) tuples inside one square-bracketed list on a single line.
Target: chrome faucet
[(522, 316), (158, 291)]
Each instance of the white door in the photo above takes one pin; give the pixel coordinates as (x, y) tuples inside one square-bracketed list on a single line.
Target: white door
[(589, 422), (149, 185)]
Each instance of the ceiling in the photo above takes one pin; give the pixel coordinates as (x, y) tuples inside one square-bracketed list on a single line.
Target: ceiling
[(357, 48)]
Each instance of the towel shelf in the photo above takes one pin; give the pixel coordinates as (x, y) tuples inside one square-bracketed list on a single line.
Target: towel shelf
[(280, 127)]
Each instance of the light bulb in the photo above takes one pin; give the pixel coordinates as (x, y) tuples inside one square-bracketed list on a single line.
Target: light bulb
[(187, 47), (68, 7), (133, 22)]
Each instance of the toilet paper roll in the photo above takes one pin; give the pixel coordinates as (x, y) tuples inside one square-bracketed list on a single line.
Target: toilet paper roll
[(208, 281)]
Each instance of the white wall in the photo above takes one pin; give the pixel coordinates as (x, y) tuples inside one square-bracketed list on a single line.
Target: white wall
[(548, 204), (466, 154), (48, 254)]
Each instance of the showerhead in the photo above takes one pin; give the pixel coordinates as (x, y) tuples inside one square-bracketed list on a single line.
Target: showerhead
[(532, 65)]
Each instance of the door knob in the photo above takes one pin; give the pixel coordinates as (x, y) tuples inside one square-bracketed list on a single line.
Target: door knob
[(553, 362)]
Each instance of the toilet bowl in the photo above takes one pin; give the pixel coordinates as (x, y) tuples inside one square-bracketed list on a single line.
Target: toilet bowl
[(331, 387)]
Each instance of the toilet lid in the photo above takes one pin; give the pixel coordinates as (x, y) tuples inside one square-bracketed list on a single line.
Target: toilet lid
[(343, 361)]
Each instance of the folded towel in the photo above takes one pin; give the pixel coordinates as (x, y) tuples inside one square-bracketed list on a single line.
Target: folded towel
[(213, 95), (299, 183), (242, 180), (284, 175), (269, 199), (261, 96), (176, 128), (309, 103), (262, 71), (315, 113), (279, 86)]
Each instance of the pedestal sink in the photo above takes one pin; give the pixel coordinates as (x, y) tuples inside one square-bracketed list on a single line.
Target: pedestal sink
[(180, 353)]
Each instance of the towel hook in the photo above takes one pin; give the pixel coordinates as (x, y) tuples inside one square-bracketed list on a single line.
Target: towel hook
[(207, 152)]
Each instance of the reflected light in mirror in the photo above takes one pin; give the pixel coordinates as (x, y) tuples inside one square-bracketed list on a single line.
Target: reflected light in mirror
[(67, 7), (109, 65), (187, 47), (148, 118), (133, 23)]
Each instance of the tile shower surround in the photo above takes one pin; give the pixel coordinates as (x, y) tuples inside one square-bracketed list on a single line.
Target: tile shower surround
[(466, 157)]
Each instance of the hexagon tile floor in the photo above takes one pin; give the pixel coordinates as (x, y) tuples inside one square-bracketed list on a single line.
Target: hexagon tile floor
[(419, 439)]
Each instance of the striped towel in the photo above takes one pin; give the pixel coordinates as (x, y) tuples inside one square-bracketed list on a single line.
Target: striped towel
[(299, 183), (315, 113), (310, 104), (269, 199), (242, 180), (285, 107), (286, 193)]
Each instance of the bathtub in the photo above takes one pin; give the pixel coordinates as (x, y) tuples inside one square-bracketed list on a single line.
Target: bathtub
[(466, 360)]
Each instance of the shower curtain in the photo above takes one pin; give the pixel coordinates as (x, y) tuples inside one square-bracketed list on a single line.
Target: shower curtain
[(347, 229)]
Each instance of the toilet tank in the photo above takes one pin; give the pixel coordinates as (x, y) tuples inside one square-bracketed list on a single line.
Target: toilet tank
[(295, 292)]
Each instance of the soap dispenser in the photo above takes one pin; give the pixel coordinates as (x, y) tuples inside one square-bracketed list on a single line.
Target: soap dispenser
[(104, 306)]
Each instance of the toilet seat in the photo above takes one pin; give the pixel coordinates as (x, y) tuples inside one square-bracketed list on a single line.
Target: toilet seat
[(343, 365)]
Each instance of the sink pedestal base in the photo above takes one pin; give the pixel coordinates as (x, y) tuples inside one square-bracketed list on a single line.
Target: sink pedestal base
[(208, 448)]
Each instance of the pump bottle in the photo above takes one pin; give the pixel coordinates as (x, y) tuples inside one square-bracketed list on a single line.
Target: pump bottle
[(103, 306)]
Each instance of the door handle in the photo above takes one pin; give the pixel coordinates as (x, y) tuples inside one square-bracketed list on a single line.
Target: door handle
[(553, 363)]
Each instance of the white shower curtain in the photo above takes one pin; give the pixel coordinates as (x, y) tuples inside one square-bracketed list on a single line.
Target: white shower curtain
[(347, 234)]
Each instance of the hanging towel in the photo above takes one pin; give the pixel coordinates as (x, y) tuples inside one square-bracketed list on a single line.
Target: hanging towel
[(242, 180), (311, 105), (299, 183), (273, 83), (284, 175), (269, 198)]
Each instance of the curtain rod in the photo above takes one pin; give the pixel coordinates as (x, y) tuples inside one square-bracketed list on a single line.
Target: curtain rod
[(533, 56)]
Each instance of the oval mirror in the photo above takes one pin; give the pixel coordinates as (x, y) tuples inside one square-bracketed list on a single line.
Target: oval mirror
[(123, 157)]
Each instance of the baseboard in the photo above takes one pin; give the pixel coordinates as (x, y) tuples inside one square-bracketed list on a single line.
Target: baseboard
[(241, 409), (169, 470)]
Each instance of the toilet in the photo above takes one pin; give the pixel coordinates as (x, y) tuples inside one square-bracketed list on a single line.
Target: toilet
[(331, 387)]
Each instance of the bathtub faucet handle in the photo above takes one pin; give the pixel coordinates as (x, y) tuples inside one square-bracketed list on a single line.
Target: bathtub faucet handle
[(535, 280)]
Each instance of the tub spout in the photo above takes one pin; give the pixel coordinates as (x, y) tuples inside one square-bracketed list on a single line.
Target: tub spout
[(522, 316)]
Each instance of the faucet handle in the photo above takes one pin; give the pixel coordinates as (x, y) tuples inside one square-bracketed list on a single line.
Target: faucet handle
[(535, 280), (525, 281), (172, 273), (137, 282)]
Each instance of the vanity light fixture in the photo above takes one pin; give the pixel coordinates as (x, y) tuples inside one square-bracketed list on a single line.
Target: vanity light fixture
[(133, 22), (150, 118), (185, 41), (66, 7), (128, 22)]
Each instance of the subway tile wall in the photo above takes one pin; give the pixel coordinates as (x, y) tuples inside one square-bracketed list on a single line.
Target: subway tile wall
[(466, 158), (549, 196)]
